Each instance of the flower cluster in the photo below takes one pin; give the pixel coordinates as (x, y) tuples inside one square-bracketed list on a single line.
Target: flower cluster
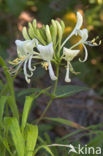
[(46, 45)]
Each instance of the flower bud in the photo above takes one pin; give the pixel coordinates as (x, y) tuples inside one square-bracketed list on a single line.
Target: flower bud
[(48, 34), (60, 33), (25, 34)]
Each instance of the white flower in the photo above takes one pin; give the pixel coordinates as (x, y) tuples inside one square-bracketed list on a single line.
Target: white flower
[(46, 53), (84, 36), (25, 54), (69, 55), (77, 27), (25, 47)]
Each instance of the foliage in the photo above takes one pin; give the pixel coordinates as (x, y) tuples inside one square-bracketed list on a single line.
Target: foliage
[(21, 134)]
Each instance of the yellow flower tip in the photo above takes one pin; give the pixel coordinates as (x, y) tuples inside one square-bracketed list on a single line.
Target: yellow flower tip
[(45, 65)]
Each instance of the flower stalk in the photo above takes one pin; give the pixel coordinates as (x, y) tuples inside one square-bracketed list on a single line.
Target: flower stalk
[(51, 99)]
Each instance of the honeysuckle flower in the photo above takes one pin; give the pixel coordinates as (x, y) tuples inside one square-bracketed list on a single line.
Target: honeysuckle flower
[(25, 54), (76, 28), (46, 53), (84, 36), (69, 55)]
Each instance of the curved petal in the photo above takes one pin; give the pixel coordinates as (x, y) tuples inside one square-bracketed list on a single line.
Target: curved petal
[(79, 21), (25, 72), (67, 79), (84, 34), (51, 72), (16, 69), (46, 52), (86, 54), (29, 65), (77, 27)]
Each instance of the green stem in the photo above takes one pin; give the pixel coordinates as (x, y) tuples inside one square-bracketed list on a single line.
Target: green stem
[(51, 99)]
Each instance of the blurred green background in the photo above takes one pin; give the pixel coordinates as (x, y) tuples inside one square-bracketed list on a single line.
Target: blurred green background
[(14, 14)]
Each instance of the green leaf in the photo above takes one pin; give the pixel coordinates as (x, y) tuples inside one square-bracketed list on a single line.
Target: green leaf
[(10, 87), (97, 140), (27, 106), (31, 138), (13, 107), (29, 91), (3, 100), (13, 126), (5, 143), (65, 122), (44, 147), (1, 84), (47, 138), (4, 90), (68, 90)]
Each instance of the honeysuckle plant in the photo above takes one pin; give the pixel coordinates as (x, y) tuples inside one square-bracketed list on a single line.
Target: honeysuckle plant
[(46, 47)]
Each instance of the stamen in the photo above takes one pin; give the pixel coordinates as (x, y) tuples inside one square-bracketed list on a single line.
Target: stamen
[(17, 61), (94, 41), (45, 65), (72, 69), (95, 44), (100, 42)]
